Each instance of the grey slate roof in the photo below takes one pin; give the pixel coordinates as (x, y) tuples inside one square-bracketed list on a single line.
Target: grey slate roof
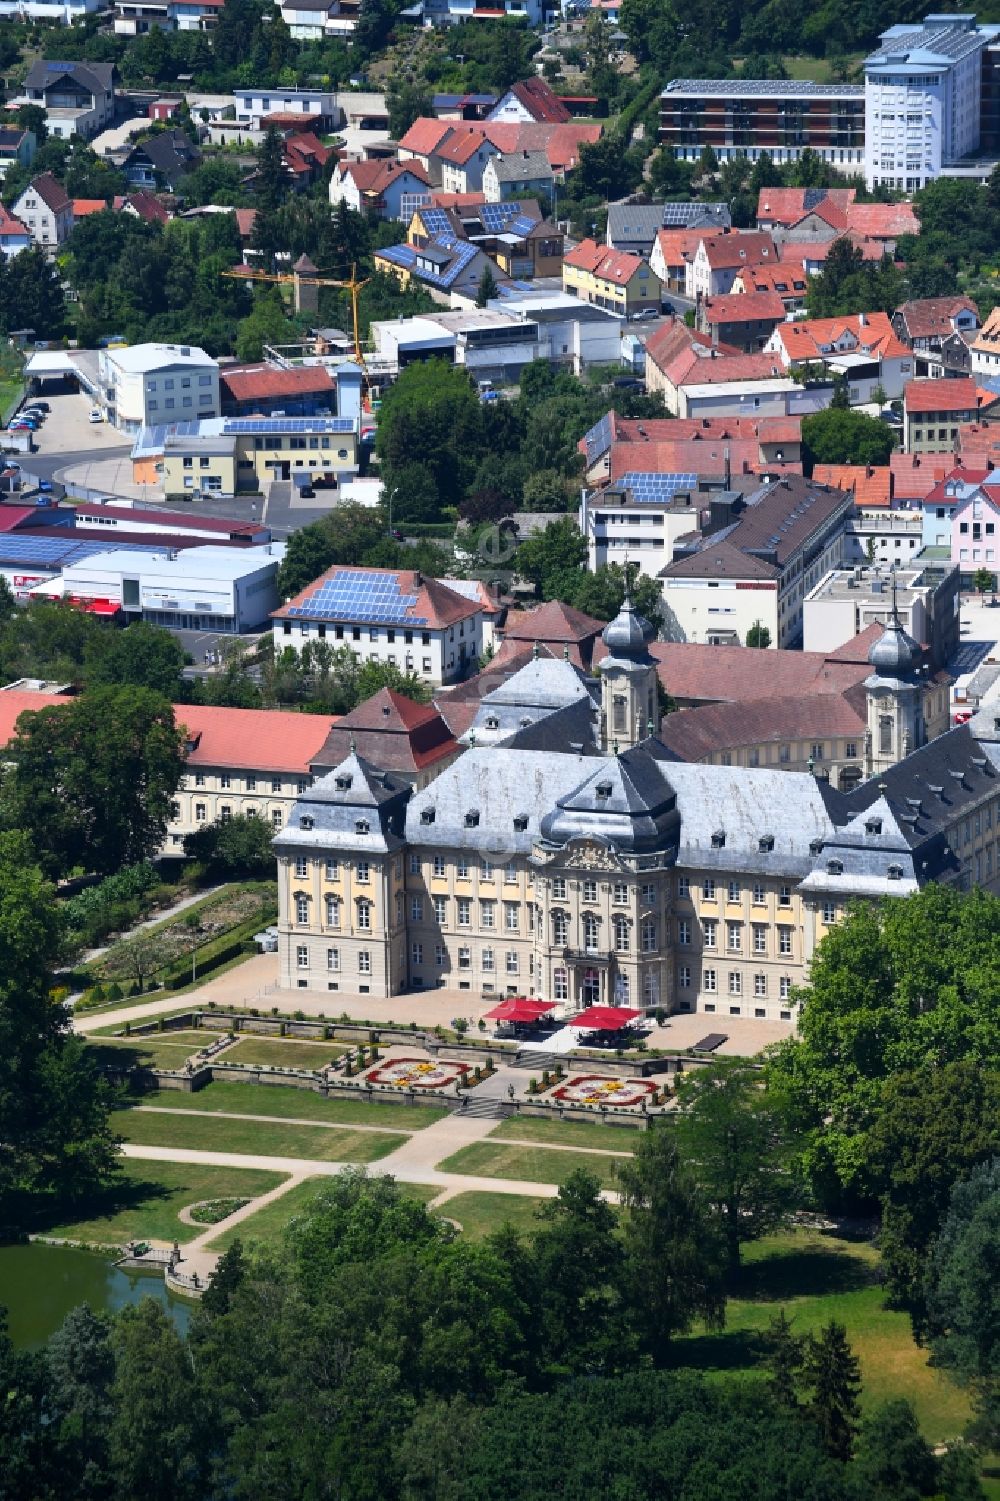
[(748, 805), (333, 813), (522, 166), (535, 691), (99, 78), (626, 802), (500, 786), (869, 856)]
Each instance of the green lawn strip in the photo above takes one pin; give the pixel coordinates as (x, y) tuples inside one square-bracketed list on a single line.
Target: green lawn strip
[(283, 1052), (268, 1225), (288, 1103), (586, 1135), (494, 1159), (144, 1205), (816, 1277), (479, 1214), (159, 1050), (256, 1138)]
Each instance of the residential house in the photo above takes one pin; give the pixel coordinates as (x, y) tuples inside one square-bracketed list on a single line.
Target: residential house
[(682, 364), (974, 530), (393, 616), (421, 141), (531, 100), (78, 98), (17, 148), (252, 104), (273, 391), (928, 323), (462, 106), (779, 209), (617, 445), (744, 322), (634, 226), (713, 268), (862, 347), (523, 244), (611, 279), (46, 212), (14, 236), (939, 504), (60, 13), (915, 475), (788, 282), (144, 206), (446, 263), (761, 569), (933, 411), (143, 385), (517, 175), (161, 161), (809, 256), (138, 17), (380, 189), (459, 161), (672, 253), (985, 347), (796, 214)]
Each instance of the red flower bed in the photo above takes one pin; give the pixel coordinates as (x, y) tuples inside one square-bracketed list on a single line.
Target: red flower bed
[(604, 1090), (417, 1073)]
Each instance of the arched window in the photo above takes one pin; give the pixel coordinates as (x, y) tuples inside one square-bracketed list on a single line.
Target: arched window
[(333, 912), (885, 734), (621, 935), (591, 933), (618, 712), (560, 929), (364, 915)]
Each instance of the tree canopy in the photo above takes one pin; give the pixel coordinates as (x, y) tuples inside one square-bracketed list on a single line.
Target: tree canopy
[(841, 436)]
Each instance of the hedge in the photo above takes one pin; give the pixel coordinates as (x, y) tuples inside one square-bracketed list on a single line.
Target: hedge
[(219, 951)]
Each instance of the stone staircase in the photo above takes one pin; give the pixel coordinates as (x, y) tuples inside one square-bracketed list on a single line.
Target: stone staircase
[(485, 1109), (537, 1061)]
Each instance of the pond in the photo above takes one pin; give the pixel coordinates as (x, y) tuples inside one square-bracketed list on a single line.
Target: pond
[(39, 1285)]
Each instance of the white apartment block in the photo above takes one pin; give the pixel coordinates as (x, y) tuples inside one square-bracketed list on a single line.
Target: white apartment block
[(149, 385)]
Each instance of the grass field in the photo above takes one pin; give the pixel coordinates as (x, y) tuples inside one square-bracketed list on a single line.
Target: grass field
[(159, 1050), (283, 1052), (256, 1138), (583, 1134), (479, 1214), (268, 1225), (286, 1102), (496, 1159), (816, 1277), (145, 1203)]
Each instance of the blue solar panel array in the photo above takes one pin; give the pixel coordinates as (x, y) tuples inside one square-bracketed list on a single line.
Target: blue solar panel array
[(51, 552), (653, 487), (362, 595), (288, 425), (598, 439)]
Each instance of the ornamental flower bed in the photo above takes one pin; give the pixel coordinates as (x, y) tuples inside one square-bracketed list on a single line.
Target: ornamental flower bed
[(418, 1073), (600, 1089)]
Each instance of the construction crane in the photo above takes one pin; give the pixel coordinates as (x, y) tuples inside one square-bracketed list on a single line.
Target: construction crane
[(303, 277)]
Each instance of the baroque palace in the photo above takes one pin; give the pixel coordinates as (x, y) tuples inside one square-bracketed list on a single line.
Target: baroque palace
[(568, 854)]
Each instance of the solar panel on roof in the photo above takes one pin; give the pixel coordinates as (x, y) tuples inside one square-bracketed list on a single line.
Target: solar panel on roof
[(656, 487), (598, 440)]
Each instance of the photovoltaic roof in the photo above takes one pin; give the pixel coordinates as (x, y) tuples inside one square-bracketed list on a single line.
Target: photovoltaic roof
[(598, 439), (51, 552), (354, 594), (236, 425), (653, 487)]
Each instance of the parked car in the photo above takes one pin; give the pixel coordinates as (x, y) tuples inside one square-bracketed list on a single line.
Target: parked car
[(96, 415), (42, 406), (33, 411), (644, 314)]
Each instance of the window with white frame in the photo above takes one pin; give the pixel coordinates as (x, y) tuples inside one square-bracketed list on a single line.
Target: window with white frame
[(709, 930), (487, 870), (417, 954), (487, 914), (488, 963), (510, 873), (511, 917), (560, 929), (735, 982), (361, 871), (648, 935), (559, 889), (760, 938), (301, 865), (784, 940), (648, 895), (620, 894), (759, 894), (464, 904), (684, 977), (709, 981), (560, 985), (441, 909), (760, 985), (440, 954), (333, 912), (462, 868), (416, 909), (683, 886), (784, 988), (414, 865), (332, 869), (333, 960), (302, 910), (590, 891), (829, 912), (591, 933), (302, 957), (708, 889), (735, 892), (683, 931), (784, 896), (734, 937), (465, 958), (364, 915), (622, 942), (439, 869), (364, 962), (513, 962)]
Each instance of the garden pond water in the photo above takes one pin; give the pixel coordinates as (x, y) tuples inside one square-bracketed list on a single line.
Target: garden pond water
[(39, 1284)]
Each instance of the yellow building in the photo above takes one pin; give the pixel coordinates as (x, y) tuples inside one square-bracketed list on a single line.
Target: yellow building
[(232, 454), (615, 280)]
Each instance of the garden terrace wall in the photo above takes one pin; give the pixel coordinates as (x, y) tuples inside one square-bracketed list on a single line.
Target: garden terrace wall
[(210, 1073)]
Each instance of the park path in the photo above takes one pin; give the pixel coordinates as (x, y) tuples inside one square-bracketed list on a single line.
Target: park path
[(454, 1182), (277, 1120), (197, 1259), (249, 984), (151, 922)]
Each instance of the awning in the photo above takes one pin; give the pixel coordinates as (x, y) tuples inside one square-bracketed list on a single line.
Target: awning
[(603, 1018), (517, 1008)]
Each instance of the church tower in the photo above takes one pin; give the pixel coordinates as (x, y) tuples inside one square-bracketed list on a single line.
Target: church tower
[(629, 707), (895, 697)]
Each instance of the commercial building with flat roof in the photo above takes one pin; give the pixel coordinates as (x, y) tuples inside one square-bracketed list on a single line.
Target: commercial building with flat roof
[(222, 589), (849, 600), (144, 384)]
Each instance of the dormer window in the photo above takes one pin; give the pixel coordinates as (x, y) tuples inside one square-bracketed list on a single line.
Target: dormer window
[(835, 867), (305, 822), (604, 789), (362, 826), (427, 815), (472, 818), (873, 825), (895, 873), (343, 781), (765, 844), (520, 822), (492, 722), (719, 839)]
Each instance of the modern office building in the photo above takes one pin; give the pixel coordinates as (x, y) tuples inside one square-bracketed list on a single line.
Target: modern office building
[(780, 117), (146, 384)]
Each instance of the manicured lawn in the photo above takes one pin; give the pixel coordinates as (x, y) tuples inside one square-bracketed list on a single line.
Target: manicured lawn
[(490, 1159), (583, 1134), (145, 1203), (159, 1050), (257, 1138), (268, 1225), (283, 1052), (479, 1214), (816, 1277), (816, 69), (286, 1102)]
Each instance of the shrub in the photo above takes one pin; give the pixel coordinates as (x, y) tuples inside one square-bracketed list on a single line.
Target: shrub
[(298, 1016), (532, 1086), (482, 1025), (114, 991), (489, 1064)]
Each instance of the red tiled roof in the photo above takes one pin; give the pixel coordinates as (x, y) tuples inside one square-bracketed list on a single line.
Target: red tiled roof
[(744, 307), (306, 149), (17, 701), (706, 457), (786, 206), (82, 207), (804, 341), (697, 673), (9, 225), (147, 207), (293, 118), (711, 372), (392, 732), (782, 279), (914, 475), (436, 604), (871, 486), (678, 246), (254, 739), (883, 221), (245, 220), (556, 625), (462, 144), (697, 734), (264, 382), (541, 102), (738, 247), (374, 177), (425, 135), (968, 476), (930, 317), (798, 252), (618, 266), (958, 394)]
